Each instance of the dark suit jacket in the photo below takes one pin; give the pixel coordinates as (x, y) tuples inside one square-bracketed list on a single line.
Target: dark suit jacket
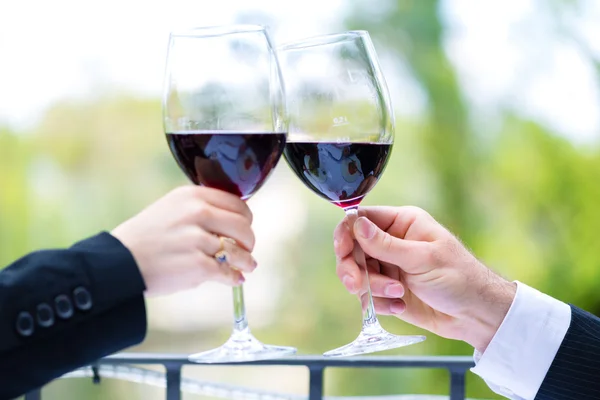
[(63, 309), (575, 371)]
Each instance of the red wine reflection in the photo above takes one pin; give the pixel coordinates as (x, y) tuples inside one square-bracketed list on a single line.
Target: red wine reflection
[(343, 173), (238, 163)]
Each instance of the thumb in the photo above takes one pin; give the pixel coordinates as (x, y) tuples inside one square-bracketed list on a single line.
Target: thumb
[(387, 248)]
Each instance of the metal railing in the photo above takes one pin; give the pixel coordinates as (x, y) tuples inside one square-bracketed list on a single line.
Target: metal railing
[(119, 366)]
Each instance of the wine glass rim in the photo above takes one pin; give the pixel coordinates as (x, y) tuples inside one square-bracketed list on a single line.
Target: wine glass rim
[(217, 30), (331, 38)]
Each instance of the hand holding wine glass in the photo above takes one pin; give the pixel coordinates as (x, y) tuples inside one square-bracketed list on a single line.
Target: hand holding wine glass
[(224, 117), (417, 270), (340, 138), (174, 239)]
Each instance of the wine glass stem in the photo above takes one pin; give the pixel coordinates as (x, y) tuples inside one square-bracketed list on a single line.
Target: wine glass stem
[(240, 322), (370, 322)]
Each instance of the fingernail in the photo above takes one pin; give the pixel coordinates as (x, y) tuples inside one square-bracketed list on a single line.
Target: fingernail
[(254, 263), (348, 281), (394, 290), (365, 228), (241, 279), (335, 245), (397, 307)]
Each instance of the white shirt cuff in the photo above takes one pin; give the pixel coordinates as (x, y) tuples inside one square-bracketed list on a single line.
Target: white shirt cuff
[(522, 350)]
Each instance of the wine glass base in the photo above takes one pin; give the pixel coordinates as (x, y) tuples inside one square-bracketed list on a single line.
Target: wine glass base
[(371, 343), (242, 348)]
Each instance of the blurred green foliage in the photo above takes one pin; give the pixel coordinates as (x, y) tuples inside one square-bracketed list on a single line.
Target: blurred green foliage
[(523, 198)]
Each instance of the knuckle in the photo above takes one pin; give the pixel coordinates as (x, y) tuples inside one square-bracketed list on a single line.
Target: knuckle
[(441, 252), (191, 191), (204, 212), (209, 242), (194, 239), (420, 210), (417, 211), (387, 242), (186, 189), (199, 191), (340, 269)]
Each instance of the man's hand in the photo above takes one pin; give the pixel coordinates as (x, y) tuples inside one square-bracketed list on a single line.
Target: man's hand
[(175, 239), (423, 274)]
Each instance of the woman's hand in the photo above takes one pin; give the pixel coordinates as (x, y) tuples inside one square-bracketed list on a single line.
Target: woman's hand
[(174, 240)]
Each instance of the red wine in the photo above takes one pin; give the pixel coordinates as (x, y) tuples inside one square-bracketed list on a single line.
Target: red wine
[(238, 163), (343, 173)]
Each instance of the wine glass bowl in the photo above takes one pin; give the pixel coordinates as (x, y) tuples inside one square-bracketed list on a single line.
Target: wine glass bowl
[(225, 122), (341, 134), (235, 162)]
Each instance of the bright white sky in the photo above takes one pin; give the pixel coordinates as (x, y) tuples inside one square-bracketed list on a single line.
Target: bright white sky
[(69, 48)]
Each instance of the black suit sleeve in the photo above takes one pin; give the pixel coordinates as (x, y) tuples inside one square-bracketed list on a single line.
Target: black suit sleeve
[(63, 309), (575, 371)]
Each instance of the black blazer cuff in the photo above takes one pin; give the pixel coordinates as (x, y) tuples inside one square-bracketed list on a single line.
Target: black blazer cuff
[(114, 273), (63, 288)]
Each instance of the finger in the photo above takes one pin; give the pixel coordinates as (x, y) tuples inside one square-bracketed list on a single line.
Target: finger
[(385, 216), (384, 286), (403, 219), (349, 273), (237, 257), (342, 240), (411, 255), (228, 224), (220, 272), (223, 200), (389, 306), (229, 276)]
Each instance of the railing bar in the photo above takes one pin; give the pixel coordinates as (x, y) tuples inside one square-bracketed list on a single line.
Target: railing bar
[(315, 383), (173, 382), (457, 384), (34, 395), (349, 362)]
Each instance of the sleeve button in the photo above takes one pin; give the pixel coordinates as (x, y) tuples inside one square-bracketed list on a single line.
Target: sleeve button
[(83, 298), (45, 315), (63, 306), (25, 325)]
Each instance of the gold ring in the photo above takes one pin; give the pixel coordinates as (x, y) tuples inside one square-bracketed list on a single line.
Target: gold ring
[(221, 243), (221, 256)]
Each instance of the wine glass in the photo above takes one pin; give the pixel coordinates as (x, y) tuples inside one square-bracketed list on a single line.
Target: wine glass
[(339, 141), (225, 122)]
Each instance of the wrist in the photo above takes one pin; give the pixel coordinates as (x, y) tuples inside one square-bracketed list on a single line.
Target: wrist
[(120, 233), (494, 298)]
